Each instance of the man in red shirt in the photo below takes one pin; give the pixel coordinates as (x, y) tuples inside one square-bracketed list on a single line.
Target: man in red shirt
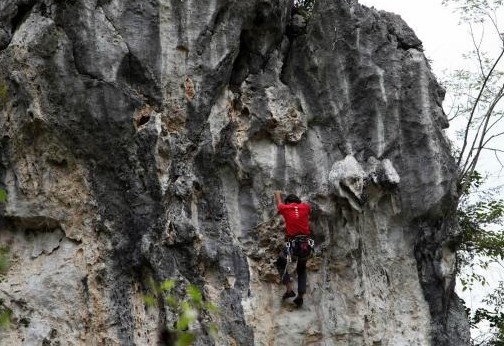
[(297, 231)]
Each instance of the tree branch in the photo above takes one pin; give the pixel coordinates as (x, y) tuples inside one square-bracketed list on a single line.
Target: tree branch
[(471, 116), (468, 169), (497, 121), (477, 48), (493, 19), (493, 149), (497, 157)]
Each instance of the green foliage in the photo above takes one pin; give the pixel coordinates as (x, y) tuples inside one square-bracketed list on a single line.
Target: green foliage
[(5, 313), (495, 317), (5, 317), (150, 300), (480, 243), (480, 216), (4, 259), (167, 285), (185, 339), (3, 195), (470, 183), (189, 307)]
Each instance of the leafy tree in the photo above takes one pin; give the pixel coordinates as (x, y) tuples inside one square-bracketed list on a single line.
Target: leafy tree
[(5, 313), (478, 94), (191, 309), (4, 259), (480, 243), (3, 195), (494, 317)]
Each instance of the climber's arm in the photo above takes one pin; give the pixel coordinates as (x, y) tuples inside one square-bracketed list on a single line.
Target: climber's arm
[(278, 198)]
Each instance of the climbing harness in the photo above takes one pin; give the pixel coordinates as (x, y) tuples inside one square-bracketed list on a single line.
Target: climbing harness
[(295, 248), (301, 246)]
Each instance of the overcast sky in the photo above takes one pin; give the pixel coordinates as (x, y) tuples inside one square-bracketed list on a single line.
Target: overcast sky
[(435, 25)]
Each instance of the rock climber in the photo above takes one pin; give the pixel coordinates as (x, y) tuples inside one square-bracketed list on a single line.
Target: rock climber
[(298, 244)]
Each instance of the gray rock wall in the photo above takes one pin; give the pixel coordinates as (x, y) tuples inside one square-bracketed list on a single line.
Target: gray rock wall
[(143, 140)]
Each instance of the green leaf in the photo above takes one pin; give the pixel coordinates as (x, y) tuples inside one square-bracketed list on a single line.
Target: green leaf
[(183, 323), (185, 339), (5, 316), (188, 316), (153, 286), (4, 260), (150, 300), (167, 285), (172, 301), (212, 308), (185, 306), (187, 311), (195, 294), (3, 195), (213, 330)]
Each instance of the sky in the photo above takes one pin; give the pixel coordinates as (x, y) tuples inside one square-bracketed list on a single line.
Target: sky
[(445, 41)]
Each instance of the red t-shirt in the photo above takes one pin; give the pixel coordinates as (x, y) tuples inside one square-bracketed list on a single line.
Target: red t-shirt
[(296, 218)]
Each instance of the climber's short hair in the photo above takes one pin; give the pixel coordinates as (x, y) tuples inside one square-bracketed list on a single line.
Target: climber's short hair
[(292, 199)]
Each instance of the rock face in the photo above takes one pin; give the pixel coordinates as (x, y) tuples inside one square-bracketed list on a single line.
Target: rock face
[(143, 140)]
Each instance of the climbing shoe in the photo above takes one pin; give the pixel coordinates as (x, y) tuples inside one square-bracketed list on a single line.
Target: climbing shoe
[(298, 301), (288, 295)]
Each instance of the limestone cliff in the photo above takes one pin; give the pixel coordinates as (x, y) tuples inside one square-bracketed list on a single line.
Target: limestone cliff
[(143, 140)]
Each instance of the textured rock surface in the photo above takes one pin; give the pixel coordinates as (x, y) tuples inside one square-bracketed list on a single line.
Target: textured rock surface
[(144, 139)]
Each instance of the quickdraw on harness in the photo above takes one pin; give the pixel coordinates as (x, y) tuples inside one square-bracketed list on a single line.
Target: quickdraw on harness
[(288, 248), (295, 247)]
